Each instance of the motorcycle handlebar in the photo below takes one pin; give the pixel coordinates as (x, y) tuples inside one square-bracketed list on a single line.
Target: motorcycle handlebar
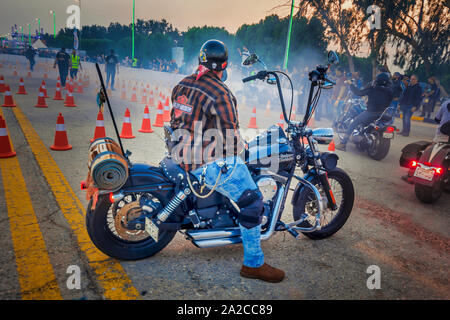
[(260, 75), (250, 78)]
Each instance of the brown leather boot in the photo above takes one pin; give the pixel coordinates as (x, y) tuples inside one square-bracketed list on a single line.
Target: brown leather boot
[(264, 273)]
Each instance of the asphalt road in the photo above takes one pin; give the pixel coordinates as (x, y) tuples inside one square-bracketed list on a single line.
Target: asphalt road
[(389, 228)]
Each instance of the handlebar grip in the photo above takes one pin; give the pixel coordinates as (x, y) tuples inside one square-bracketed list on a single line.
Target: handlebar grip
[(250, 78)]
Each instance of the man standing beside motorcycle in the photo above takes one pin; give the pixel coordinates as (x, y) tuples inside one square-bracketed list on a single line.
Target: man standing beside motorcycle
[(379, 96), (201, 102)]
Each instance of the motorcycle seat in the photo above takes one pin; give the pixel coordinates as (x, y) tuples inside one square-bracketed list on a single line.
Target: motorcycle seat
[(173, 171)]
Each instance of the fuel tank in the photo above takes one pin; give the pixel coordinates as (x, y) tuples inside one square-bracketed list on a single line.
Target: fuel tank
[(271, 145)]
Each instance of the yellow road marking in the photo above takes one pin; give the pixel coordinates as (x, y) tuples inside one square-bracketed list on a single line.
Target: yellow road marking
[(36, 276), (109, 273)]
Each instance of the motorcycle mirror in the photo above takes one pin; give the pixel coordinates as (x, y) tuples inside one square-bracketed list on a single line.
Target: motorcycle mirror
[(251, 59), (327, 85), (333, 58)]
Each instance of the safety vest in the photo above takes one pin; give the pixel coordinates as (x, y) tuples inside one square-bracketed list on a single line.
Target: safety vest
[(75, 61)]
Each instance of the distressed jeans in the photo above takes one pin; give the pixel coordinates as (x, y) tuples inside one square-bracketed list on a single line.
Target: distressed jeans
[(237, 181)]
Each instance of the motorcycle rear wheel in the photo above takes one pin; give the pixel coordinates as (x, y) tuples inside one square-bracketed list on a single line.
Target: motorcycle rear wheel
[(381, 148), (110, 243), (428, 194), (341, 214)]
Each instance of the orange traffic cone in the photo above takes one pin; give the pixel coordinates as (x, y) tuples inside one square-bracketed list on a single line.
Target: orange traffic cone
[(146, 125), (45, 75), (2, 84), (332, 146), (60, 143), (281, 121), (99, 127), (159, 121), (21, 87), (69, 102), (6, 149), (8, 101), (133, 96), (267, 113), (127, 131), (58, 95), (166, 110), (80, 86), (15, 71), (252, 123), (29, 74), (41, 100), (44, 89), (144, 97), (123, 95)]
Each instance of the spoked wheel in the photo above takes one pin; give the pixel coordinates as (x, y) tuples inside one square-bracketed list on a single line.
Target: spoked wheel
[(117, 229), (331, 220)]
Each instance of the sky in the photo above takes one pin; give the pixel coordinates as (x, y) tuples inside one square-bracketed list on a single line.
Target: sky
[(180, 13)]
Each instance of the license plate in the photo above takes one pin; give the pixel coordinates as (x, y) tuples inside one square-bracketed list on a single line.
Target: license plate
[(424, 173), (388, 135), (152, 229)]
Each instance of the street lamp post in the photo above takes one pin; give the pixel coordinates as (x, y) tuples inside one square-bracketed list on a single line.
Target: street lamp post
[(39, 26), (29, 34), (54, 23)]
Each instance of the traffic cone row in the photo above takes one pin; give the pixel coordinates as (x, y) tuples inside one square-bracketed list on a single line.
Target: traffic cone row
[(69, 102), (6, 149), (166, 115), (281, 121), (44, 89), (2, 84), (58, 95)]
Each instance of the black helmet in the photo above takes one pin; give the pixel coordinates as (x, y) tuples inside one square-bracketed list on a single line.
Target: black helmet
[(382, 79), (213, 55)]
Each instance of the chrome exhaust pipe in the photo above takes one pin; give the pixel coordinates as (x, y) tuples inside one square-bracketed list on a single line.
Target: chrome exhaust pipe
[(218, 238)]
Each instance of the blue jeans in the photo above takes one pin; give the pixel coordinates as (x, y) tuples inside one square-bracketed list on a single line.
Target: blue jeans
[(110, 75), (237, 181), (407, 114)]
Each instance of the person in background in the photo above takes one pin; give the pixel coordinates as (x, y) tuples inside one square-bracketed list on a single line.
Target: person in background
[(431, 95), (111, 65), (29, 54), (339, 91), (63, 61), (409, 102), (398, 87), (75, 64)]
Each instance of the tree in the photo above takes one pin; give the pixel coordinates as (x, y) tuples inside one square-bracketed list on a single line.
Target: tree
[(342, 23), (419, 30)]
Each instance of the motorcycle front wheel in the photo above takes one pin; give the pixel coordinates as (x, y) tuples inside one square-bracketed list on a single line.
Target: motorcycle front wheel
[(332, 220), (107, 226)]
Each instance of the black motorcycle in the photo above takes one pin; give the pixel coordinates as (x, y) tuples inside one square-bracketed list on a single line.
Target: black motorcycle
[(375, 138), (142, 216)]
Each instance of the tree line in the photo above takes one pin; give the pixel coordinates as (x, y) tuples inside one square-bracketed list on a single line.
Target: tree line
[(414, 33)]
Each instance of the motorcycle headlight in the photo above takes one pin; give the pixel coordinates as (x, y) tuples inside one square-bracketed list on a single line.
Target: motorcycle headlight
[(329, 160)]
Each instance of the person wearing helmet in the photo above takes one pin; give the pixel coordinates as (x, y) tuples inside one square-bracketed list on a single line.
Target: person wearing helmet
[(380, 96), (202, 102)]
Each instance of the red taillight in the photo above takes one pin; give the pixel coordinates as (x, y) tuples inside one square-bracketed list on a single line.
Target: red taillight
[(390, 129), (83, 185), (413, 164), (111, 197), (438, 170)]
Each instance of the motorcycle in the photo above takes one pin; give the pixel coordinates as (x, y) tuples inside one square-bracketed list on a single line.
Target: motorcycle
[(429, 165), (375, 138), (142, 216)]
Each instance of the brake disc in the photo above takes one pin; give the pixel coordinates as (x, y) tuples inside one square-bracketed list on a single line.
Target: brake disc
[(129, 212)]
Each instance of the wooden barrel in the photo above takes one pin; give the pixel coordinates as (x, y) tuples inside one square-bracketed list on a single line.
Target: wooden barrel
[(107, 165)]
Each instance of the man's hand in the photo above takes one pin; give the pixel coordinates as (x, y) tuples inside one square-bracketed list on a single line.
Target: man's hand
[(413, 109)]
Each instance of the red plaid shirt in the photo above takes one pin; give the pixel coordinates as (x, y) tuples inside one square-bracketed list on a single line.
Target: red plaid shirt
[(200, 105)]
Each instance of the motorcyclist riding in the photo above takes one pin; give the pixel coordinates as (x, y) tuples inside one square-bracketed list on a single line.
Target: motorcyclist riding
[(202, 102), (379, 95)]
